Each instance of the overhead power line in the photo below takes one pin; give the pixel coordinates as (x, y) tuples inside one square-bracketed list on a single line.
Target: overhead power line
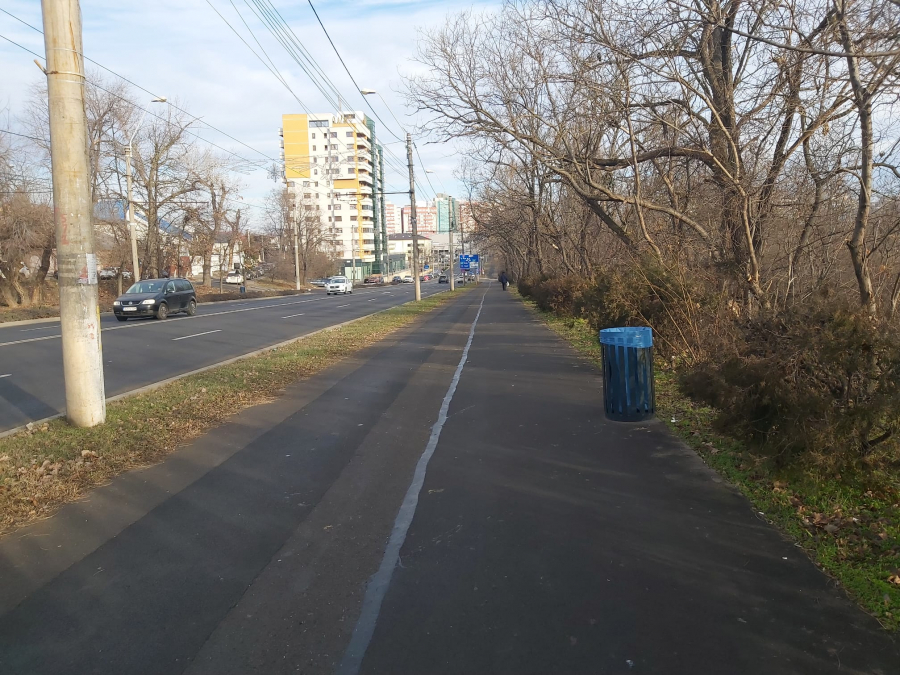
[(7, 131), (135, 84)]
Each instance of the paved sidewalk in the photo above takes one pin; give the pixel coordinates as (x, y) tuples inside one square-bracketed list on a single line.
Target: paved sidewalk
[(545, 539), (549, 540)]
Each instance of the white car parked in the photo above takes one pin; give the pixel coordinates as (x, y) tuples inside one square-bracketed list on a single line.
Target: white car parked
[(339, 285)]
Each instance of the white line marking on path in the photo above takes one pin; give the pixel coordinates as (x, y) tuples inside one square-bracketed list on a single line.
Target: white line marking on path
[(341, 306), (381, 580), (7, 375), (28, 330), (185, 337), (291, 316)]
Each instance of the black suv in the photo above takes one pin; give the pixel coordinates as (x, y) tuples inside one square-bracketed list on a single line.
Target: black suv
[(158, 298)]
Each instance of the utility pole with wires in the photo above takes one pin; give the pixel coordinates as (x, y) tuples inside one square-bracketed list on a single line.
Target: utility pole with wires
[(296, 251), (79, 302), (412, 217), (450, 244)]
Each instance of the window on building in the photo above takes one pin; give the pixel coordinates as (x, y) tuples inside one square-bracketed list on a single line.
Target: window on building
[(306, 184), (337, 207), (316, 183), (314, 147), (334, 134), (353, 218), (307, 195), (313, 137), (318, 123), (315, 172), (337, 219), (349, 134), (351, 170)]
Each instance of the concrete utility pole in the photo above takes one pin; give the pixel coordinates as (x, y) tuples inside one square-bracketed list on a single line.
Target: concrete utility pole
[(296, 252), (135, 266), (79, 306), (452, 227), (412, 217)]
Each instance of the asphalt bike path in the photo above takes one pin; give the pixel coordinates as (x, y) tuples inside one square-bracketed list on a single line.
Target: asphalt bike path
[(452, 500), (286, 509), (140, 352)]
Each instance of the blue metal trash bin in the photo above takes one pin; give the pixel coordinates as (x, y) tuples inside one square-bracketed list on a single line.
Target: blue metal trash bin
[(628, 391)]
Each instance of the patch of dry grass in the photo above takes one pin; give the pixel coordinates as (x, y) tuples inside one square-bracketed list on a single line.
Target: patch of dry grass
[(55, 463)]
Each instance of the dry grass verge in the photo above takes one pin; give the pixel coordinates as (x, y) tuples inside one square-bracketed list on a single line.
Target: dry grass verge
[(56, 463), (848, 522)]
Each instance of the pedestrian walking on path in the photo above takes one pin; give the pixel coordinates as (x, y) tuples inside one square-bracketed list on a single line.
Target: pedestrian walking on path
[(504, 280)]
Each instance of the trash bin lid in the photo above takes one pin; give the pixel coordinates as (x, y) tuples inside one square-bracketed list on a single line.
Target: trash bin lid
[(637, 336)]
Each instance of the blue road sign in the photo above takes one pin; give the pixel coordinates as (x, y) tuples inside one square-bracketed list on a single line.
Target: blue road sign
[(466, 261)]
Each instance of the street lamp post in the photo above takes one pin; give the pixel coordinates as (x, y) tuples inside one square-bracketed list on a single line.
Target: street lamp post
[(128, 154)]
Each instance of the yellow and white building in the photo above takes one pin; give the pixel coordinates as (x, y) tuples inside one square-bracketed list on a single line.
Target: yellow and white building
[(328, 170)]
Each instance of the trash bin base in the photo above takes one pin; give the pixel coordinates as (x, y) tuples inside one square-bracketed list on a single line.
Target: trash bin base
[(628, 389)]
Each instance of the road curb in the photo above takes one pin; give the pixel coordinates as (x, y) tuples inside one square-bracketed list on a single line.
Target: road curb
[(156, 385)]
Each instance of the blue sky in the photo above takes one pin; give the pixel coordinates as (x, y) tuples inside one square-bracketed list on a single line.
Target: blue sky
[(181, 49)]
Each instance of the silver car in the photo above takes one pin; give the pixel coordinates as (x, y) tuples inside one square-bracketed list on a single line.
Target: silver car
[(337, 285)]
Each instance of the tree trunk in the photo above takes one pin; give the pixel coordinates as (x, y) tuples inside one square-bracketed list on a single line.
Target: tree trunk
[(37, 292), (863, 100)]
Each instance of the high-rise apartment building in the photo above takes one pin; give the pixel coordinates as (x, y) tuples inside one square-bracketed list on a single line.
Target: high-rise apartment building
[(331, 165), (392, 219), (426, 218), (447, 212)]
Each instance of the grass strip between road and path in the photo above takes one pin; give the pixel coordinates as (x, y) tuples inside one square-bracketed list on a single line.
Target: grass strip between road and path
[(54, 463), (848, 524)]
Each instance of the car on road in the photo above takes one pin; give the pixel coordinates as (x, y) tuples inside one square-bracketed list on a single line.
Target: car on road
[(397, 280), (319, 283), (157, 298), (443, 279), (460, 280), (408, 279), (234, 278), (375, 279), (112, 273), (337, 285)]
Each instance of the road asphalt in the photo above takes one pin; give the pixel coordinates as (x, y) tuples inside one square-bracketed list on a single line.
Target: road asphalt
[(140, 352), (317, 534)]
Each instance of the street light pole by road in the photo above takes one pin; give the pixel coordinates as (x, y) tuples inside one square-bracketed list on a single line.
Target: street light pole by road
[(79, 301), (296, 253), (412, 218), (135, 267)]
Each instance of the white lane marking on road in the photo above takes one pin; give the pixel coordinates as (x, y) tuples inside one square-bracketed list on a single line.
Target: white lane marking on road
[(19, 342), (28, 330), (185, 337), (381, 580), (7, 375), (145, 324), (341, 306), (291, 316), (371, 300)]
